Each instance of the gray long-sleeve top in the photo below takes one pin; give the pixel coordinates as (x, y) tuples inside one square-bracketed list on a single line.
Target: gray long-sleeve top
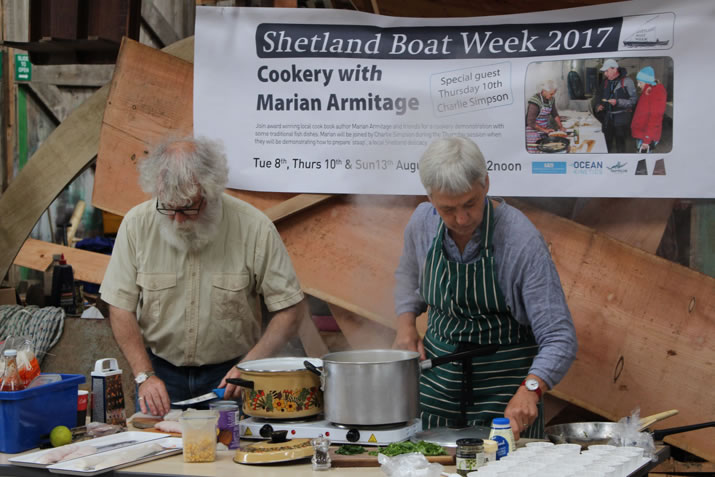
[(525, 273)]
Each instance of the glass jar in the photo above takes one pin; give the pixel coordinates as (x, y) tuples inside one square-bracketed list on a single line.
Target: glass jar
[(502, 433), (470, 455), (321, 455)]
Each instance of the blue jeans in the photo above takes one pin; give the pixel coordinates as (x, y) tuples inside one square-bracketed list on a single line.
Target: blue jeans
[(186, 382)]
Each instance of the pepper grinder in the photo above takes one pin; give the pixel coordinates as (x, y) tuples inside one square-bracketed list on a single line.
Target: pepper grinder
[(321, 456)]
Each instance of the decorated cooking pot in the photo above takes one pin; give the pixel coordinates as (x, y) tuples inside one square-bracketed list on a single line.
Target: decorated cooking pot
[(280, 388)]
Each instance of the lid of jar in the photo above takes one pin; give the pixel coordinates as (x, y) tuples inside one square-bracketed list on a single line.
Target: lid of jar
[(448, 437), (469, 442), (10, 352), (490, 445), (500, 421)]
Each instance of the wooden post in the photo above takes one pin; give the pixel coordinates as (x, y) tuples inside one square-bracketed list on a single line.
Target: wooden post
[(8, 116)]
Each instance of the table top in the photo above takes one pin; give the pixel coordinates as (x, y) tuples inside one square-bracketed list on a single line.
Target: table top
[(224, 465), (592, 140)]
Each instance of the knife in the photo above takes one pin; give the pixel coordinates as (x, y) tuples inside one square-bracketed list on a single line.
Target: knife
[(216, 394)]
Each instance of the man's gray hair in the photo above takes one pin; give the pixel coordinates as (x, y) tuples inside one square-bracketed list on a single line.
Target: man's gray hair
[(179, 169), (548, 85), (452, 165)]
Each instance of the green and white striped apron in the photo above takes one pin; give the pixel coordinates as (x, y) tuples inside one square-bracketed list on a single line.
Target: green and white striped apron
[(467, 306)]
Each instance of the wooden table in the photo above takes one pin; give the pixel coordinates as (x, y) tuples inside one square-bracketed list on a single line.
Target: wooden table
[(224, 465), (589, 129)]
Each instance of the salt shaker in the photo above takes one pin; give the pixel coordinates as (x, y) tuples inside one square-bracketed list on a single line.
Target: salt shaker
[(321, 456)]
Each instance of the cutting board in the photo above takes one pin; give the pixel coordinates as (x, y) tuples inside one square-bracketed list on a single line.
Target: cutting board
[(146, 424), (367, 460)]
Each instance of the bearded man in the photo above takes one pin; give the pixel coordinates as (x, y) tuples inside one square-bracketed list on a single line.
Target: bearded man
[(186, 275)]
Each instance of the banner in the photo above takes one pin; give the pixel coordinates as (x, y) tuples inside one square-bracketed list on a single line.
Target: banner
[(600, 101)]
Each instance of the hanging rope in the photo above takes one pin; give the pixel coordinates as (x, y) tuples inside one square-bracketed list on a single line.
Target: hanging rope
[(43, 325)]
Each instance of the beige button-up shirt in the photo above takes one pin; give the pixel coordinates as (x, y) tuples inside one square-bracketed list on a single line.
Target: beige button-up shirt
[(200, 307)]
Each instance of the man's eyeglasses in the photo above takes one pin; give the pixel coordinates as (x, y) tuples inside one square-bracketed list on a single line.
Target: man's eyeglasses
[(193, 210)]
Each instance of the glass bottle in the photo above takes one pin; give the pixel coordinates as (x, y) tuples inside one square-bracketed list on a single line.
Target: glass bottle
[(321, 455), (469, 456), (11, 378)]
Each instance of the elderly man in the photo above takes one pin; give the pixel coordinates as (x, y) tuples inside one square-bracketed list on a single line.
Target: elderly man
[(194, 261), (615, 110), (485, 276)]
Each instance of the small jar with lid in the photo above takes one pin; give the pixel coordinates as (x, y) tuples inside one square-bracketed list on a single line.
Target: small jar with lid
[(490, 450), (470, 455), (502, 433)]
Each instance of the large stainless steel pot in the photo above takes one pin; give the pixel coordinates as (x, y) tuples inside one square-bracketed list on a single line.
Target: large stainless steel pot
[(379, 386), (279, 388)]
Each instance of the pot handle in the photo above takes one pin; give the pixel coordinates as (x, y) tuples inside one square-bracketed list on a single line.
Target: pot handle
[(241, 382), (448, 358), (312, 368), (660, 434)]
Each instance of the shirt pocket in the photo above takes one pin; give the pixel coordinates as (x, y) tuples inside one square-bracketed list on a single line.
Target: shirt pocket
[(229, 296), (157, 290)]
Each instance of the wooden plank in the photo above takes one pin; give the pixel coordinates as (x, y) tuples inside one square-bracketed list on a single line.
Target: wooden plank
[(73, 75), (51, 97), (16, 20), (309, 335), (362, 333), (638, 222), (690, 468), (294, 205), (158, 24), (87, 266)]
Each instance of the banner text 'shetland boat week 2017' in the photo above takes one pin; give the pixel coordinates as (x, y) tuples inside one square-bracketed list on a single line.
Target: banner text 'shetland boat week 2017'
[(310, 100)]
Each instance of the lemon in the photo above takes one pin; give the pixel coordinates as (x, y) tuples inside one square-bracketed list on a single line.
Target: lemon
[(60, 436)]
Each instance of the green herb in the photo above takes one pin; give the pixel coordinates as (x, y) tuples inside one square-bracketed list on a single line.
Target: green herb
[(397, 448), (350, 449)]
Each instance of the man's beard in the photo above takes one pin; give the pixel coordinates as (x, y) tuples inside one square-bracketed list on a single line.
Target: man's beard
[(192, 235)]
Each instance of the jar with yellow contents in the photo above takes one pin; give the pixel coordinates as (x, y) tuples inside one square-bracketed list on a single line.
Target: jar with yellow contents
[(198, 433)]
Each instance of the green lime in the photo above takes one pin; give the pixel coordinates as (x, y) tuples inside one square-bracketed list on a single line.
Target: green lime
[(60, 436)]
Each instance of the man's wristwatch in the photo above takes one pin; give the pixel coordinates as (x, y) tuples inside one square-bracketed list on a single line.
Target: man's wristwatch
[(532, 384), (141, 377)]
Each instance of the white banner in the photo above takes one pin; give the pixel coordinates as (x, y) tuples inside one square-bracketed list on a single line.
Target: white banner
[(333, 101)]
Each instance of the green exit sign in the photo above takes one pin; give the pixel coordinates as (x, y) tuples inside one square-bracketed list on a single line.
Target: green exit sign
[(23, 67)]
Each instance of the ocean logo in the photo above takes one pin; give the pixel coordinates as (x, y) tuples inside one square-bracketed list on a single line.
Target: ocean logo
[(618, 168), (587, 167), (548, 167)]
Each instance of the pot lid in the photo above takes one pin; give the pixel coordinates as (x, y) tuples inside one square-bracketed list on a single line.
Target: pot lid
[(447, 436), (278, 365), (371, 356), (270, 452)]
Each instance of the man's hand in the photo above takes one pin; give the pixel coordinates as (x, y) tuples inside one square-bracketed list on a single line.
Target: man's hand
[(613, 101), (407, 336), (232, 391), (599, 107), (153, 397), (522, 409)]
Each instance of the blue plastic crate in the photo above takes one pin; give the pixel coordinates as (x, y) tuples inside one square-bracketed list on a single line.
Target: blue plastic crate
[(26, 415)]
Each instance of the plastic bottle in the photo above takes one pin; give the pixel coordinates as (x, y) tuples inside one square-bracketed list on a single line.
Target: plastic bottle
[(577, 137), (63, 293), (11, 378), (501, 432), (27, 365), (490, 450)]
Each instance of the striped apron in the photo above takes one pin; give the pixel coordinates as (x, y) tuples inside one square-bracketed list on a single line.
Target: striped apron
[(466, 307), (542, 119)]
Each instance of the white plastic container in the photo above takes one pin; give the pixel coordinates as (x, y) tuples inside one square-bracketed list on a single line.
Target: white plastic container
[(502, 434)]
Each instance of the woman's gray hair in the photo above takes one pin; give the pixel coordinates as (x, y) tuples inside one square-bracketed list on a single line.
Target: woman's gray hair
[(548, 85), (452, 165), (179, 169)]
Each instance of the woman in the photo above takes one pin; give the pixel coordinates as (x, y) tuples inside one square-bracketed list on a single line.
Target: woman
[(485, 275), (647, 123), (540, 108)]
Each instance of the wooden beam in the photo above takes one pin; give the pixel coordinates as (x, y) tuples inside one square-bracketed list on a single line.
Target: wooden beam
[(87, 266), (294, 205), (8, 113), (16, 20), (51, 97), (65, 153), (309, 335), (73, 75), (157, 23)]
